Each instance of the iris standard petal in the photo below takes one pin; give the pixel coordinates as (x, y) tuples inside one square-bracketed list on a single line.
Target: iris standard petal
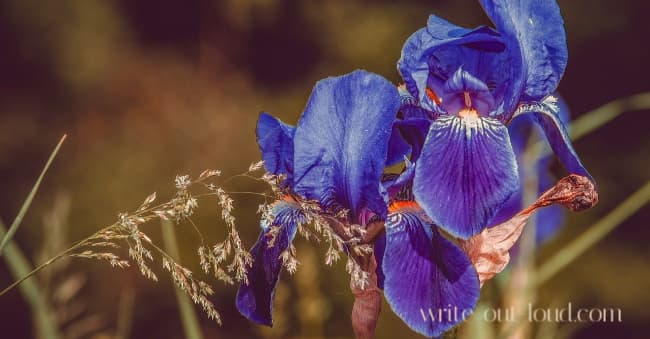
[(534, 33), (458, 86), (429, 282), (255, 299), (341, 142), (466, 172), (275, 140), (419, 65)]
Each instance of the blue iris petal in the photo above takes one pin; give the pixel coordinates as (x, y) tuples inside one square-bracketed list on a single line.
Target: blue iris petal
[(397, 147), (466, 172), (560, 142), (535, 38), (426, 274), (523, 132), (255, 300), (275, 140), (341, 142), (458, 84), (440, 48), (414, 131), (432, 54)]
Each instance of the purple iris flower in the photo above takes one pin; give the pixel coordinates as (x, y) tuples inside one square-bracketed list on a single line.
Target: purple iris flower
[(465, 87), (335, 155)]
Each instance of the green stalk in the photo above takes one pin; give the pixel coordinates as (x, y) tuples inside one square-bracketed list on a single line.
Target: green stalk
[(186, 308), (607, 112), (593, 234), (125, 315), (23, 210), (19, 266), (600, 116)]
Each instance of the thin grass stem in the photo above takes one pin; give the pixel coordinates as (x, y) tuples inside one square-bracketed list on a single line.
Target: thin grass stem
[(23, 209), (19, 266), (186, 308)]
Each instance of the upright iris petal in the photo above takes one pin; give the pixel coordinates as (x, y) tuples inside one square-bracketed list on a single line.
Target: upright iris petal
[(341, 141), (432, 54), (429, 282), (335, 155), (535, 38), (255, 299)]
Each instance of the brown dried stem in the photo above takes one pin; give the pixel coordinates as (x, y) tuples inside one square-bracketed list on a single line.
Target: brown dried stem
[(489, 250)]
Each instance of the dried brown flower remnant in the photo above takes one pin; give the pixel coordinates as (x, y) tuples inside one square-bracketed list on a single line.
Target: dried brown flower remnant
[(489, 250)]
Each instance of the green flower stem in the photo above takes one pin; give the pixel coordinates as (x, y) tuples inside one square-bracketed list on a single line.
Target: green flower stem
[(593, 234), (23, 210), (186, 308), (19, 266)]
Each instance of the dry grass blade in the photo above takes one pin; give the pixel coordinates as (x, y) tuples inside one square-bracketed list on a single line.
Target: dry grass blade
[(23, 210)]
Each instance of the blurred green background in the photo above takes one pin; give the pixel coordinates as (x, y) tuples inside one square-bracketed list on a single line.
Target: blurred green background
[(149, 89)]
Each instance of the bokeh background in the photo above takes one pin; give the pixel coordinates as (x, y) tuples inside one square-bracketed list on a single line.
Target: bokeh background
[(149, 89)]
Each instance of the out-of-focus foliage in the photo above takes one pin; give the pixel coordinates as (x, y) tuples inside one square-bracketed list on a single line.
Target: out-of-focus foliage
[(150, 89)]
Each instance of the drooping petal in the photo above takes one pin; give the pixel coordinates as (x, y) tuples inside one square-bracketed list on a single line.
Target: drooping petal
[(546, 115), (275, 140), (466, 172), (429, 282), (535, 37), (433, 53), (523, 131), (561, 143), (341, 141), (255, 299)]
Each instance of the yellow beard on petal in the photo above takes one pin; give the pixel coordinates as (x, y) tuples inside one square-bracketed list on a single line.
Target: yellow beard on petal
[(470, 116)]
